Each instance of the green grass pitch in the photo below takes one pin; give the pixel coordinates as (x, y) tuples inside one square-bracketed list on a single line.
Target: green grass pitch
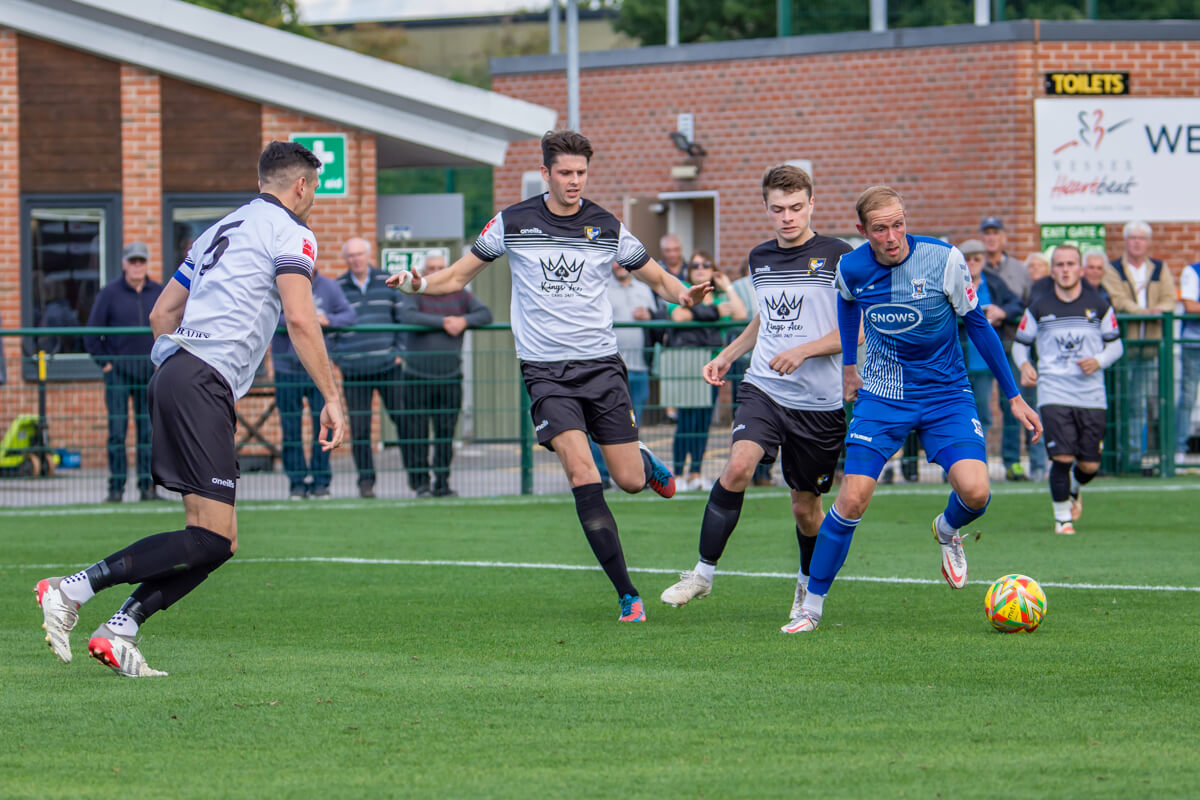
[(444, 649)]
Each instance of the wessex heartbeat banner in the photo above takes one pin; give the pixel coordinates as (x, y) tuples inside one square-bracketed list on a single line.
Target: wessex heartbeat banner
[(1115, 160)]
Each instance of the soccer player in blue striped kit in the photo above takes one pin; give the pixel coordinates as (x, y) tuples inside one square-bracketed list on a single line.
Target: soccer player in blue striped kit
[(911, 291)]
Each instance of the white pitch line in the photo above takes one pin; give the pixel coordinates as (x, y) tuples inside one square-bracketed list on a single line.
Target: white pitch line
[(407, 562)]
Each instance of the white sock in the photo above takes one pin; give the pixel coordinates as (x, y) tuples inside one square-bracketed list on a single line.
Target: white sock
[(122, 624), (814, 604), (945, 532), (705, 570), (1062, 510), (77, 588), (802, 578)]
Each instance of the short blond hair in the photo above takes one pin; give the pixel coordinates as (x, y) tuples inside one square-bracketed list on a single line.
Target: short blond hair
[(875, 198)]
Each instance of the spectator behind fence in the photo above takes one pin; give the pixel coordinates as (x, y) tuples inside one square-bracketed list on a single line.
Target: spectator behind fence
[(743, 287), (671, 249), (433, 378), (1015, 275), (1189, 352), (293, 385), (998, 304), (688, 350), (125, 361), (370, 361), (1095, 262), (1138, 284), (632, 301)]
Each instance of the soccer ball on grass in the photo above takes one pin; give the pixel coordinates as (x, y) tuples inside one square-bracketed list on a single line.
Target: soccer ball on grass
[(1015, 603)]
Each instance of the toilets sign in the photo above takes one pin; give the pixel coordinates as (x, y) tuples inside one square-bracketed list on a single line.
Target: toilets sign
[(331, 149)]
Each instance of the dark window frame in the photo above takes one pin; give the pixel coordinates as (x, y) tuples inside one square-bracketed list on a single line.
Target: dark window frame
[(177, 200), (65, 366)]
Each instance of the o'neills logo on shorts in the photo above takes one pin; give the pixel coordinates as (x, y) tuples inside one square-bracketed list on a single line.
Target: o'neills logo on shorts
[(228, 484)]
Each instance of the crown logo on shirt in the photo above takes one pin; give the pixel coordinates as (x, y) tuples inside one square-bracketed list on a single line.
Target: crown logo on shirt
[(1068, 344), (784, 308), (562, 271)]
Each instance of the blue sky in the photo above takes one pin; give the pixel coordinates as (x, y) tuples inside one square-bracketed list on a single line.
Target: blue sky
[(318, 11)]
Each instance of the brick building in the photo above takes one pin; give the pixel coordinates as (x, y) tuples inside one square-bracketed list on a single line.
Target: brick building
[(127, 120), (946, 115)]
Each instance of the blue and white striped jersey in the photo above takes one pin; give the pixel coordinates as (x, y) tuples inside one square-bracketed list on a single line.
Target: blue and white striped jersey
[(911, 315), (233, 302), (797, 303), (560, 267)]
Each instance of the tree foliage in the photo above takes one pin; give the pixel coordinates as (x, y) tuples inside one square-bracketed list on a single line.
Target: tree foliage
[(722, 20), (282, 14)]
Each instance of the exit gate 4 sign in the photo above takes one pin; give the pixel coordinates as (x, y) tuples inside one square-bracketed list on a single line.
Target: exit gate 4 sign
[(331, 149)]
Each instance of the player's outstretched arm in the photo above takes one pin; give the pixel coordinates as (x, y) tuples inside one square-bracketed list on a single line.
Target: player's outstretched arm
[(446, 281), (789, 361), (168, 309), (308, 340), (670, 288), (714, 371)]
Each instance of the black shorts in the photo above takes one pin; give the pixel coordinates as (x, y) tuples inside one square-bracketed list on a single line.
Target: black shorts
[(1071, 431), (192, 421), (588, 395), (811, 441)]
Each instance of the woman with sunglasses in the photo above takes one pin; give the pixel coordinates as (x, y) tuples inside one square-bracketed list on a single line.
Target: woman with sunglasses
[(688, 350)]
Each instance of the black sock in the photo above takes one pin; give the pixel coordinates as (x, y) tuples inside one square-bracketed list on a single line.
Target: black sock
[(161, 556), (1060, 481), (720, 518), (158, 594), (1081, 476), (601, 531), (807, 545)]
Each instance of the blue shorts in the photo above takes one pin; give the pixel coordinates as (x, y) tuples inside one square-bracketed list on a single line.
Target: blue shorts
[(948, 427)]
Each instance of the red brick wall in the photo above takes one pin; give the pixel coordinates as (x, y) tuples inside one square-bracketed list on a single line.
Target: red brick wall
[(10, 196), (334, 219), (141, 162), (950, 127)]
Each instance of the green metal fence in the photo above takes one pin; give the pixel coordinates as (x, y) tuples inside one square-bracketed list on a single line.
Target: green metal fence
[(56, 430)]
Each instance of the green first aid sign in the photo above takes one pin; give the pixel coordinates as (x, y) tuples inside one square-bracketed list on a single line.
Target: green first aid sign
[(331, 149)]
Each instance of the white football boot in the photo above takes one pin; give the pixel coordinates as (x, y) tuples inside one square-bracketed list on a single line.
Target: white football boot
[(691, 586), (954, 560), (120, 653), (59, 615)]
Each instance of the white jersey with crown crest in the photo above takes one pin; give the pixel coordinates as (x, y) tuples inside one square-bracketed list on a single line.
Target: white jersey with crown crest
[(795, 290), (560, 267), (1066, 332), (233, 301)]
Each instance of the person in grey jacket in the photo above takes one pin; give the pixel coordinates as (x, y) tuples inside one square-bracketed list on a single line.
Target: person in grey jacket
[(370, 361), (309, 478), (433, 380)]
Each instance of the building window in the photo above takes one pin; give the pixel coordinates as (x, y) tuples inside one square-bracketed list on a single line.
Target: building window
[(190, 215), (70, 249)]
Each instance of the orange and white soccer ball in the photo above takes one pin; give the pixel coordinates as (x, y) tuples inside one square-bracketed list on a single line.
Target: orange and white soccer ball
[(1015, 603)]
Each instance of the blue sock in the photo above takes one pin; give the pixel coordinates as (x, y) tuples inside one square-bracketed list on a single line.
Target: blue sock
[(833, 543), (958, 515)]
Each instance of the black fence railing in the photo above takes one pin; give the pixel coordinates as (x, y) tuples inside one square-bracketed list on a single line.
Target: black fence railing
[(83, 435)]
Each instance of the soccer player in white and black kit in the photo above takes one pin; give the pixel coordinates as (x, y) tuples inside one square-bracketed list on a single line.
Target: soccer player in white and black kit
[(213, 324), (790, 402), (1077, 338), (560, 249)]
